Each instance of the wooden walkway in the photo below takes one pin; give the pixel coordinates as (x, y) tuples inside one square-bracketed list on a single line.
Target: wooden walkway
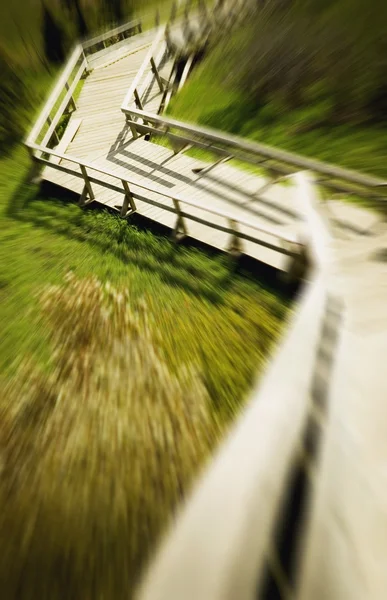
[(99, 134), (102, 137)]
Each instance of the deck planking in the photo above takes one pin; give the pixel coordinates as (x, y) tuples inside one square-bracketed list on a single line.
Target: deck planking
[(105, 140)]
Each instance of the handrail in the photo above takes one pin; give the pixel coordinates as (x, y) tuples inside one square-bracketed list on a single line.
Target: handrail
[(319, 237), (213, 136), (135, 23), (286, 237), (144, 65), (55, 93), (223, 544), (66, 100)]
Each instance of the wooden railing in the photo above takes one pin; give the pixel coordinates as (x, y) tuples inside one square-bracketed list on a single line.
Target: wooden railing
[(272, 159), (226, 541), (55, 106), (147, 73), (120, 33), (283, 243), (61, 98)]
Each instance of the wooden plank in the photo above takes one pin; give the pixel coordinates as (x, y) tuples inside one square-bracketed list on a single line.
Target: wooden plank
[(68, 136)]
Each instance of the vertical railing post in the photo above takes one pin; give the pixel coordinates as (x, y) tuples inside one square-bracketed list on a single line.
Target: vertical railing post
[(156, 74), (128, 200), (87, 190), (85, 60), (137, 100), (34, 171), (235, 247), (180, 230), (49, 121), (132, 127), (72, 101)]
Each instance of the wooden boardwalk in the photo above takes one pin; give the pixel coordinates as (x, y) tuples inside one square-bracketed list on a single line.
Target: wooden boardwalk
[(102, 137), (99, 134)]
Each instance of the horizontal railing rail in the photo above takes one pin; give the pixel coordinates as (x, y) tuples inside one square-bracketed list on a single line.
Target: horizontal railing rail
[(290, 242), (284, 162), (132, 26), (61, 83)]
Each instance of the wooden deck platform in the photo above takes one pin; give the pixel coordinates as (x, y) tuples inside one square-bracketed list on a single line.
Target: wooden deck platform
[(104, 139)]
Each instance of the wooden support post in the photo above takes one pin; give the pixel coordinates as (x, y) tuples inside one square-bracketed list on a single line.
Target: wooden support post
[(180, 230), (156, 74), (34, 173), (178, 146), (298, 265), (128, 201), (49, 121), (87, 195), (133, 130), (235, 247), (72, 101), (137, 99)]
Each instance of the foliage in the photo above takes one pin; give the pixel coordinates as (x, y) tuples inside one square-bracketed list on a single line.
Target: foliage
[(52, 37), (195, 297), (304, 83), (303, 44), (12, 94)]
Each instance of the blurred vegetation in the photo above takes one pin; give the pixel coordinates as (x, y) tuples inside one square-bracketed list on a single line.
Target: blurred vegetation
[(96, 454), (117, 380), (112, 394), (306, 75)]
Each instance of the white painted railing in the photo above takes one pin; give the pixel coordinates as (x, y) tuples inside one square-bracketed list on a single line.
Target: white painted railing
[(269, 157), (283, 243), (75, 68), (147, 73), (222, 544), (122, 32)]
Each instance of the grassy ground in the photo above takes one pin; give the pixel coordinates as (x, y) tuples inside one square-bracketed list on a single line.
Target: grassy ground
[(224, 107), (195, 297)]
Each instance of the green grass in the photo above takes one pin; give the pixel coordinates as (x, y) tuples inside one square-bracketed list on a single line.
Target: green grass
[(363, 148), (223, 322)]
